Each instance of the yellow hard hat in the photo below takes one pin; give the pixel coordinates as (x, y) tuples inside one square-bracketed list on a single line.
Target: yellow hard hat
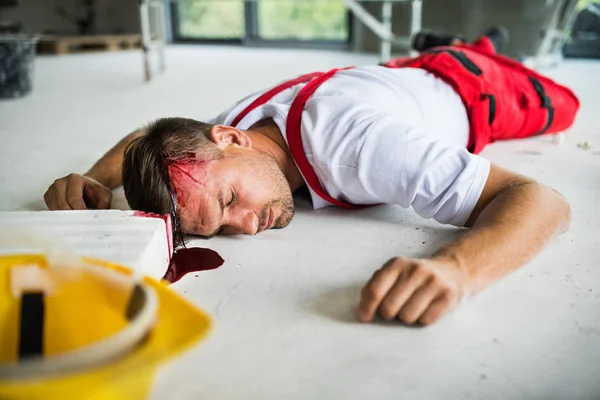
[(90, 332)]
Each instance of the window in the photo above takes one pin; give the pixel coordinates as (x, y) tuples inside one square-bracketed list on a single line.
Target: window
[(251, 21), (302, 20), (211, 19)]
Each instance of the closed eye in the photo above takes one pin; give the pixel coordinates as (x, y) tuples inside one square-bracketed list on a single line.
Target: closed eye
[(232, 199)]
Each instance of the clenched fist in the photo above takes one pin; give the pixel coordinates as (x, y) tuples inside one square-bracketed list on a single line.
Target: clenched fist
[(413, 290), (77, 192)]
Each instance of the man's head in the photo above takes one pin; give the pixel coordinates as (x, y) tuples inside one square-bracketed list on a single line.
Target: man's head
[(209, 178)]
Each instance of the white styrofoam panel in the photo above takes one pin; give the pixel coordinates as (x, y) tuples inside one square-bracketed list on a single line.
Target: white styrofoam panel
[(121, 237)]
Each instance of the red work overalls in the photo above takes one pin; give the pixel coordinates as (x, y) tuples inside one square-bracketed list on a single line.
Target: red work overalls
[(504, 99)]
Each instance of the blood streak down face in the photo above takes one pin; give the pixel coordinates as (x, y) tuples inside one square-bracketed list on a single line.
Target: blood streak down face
[(243, 192)]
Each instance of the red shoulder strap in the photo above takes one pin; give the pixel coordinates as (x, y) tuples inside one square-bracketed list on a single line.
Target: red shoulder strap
[(268, 95), (294, 137), (294, 123)]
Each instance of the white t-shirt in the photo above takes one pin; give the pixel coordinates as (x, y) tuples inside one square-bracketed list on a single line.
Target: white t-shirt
[(380, 135)]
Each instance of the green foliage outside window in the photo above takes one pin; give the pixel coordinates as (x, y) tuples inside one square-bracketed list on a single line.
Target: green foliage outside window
[(583, 3), (277, 19), (211, 19), (303, 19)]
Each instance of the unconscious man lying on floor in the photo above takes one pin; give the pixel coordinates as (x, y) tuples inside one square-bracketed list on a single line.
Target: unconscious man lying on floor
[(407, 132)]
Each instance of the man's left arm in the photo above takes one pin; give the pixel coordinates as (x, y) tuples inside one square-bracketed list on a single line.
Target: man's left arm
[(513, 219)]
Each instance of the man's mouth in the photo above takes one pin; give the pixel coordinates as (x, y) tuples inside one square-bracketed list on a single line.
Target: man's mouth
[(270, 219)]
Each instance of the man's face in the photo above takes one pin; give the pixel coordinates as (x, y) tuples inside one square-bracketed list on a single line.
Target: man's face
[(244, 192)]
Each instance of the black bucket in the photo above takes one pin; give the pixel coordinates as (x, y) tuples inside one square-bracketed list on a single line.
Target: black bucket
[(17, 54)]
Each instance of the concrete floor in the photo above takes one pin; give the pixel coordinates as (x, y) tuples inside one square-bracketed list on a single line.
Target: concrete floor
[(284, 301)]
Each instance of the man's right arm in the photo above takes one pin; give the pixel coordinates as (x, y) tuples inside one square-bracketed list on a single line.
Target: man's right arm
[(92, 189)]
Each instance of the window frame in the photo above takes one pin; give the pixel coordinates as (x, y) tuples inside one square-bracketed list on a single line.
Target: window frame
[(251, 37)]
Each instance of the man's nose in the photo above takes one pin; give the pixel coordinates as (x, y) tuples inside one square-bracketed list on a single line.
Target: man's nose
[(248, 223)]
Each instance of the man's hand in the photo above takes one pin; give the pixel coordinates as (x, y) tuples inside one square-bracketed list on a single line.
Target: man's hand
[(413, 290), (77, 192), (92, 190)]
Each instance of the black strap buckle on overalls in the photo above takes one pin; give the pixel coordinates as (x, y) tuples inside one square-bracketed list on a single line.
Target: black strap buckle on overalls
[(546, 102), (461, 58), (470, 66)]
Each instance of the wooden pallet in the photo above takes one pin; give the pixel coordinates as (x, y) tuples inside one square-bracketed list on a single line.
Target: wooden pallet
[(78, 44)]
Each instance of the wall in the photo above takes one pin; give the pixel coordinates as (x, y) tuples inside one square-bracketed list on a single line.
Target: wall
[(39, 16), (525, 20)]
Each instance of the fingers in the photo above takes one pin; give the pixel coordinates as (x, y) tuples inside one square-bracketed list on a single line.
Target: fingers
[(104, 200), (407, 286), (69, 193), (74, 195), (97, 196), (49, 198), (419, 302), (435, 311), (55, 197), (413, 290), (376, 289)]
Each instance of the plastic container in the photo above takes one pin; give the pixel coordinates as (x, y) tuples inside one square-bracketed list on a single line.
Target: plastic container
[(17, 55)]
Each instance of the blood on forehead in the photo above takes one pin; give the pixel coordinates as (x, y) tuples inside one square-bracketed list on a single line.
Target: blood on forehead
[(186, 174)]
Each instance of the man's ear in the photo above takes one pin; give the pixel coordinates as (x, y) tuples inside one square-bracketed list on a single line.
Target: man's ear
[(228, 135)]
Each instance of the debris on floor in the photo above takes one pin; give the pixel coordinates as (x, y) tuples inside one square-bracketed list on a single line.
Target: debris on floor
[(559, 138), (584, 145)]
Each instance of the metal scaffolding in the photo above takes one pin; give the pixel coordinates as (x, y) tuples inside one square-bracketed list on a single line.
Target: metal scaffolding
[(556, 34), (383, 29), (152, 20), (152, 16)]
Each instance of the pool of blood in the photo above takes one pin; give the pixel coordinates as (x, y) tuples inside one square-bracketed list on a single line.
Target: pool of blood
[(192, 259)]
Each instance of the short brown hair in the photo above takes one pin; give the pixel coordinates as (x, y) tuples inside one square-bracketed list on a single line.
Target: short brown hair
[(146, 178)]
